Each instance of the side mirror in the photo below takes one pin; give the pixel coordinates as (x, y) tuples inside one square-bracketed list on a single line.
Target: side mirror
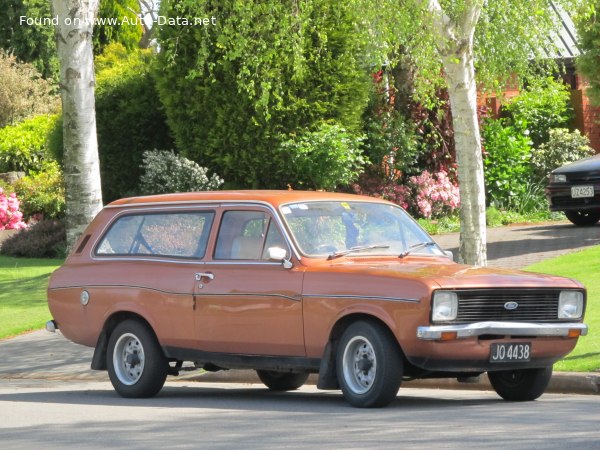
[(449, 254), (279, 254)]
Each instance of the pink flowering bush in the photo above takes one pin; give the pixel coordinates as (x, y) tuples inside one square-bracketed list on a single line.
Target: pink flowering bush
[(10, 216), (427, 195)]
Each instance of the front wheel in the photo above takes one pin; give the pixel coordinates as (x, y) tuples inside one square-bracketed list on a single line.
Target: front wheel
[(583, 218), (369, 365), (137, 366), (520, 385), (282, 381)]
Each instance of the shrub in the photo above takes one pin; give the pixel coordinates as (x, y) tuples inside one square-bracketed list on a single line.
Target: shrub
[(42, 194), (322, 159), (129, 119), (562, 147), (45, 239), (506, 162), (23, 92), (542, 106), (10, 216), (427, 195), (165, 172), (234, 92), (24, 147)]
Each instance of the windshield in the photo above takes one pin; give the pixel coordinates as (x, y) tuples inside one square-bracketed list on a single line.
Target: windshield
[(333, 229)]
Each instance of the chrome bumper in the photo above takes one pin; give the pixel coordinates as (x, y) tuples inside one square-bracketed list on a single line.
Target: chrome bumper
[(501, 328), (51, 326)]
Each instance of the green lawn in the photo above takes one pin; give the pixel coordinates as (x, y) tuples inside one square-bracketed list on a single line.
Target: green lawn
[(585, 267), (23, 283)]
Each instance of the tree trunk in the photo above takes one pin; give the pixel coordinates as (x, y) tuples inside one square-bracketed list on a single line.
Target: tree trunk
[(81, 165), (462, 90)]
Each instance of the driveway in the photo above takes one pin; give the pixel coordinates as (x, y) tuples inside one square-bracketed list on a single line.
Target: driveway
[(515, 247)]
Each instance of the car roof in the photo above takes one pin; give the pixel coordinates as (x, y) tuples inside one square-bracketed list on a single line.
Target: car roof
[(272, 197)]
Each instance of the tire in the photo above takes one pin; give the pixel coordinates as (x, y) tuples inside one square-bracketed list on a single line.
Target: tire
[(282, 381), (584, 218), (369, 365), (136, 364), (520, 385)]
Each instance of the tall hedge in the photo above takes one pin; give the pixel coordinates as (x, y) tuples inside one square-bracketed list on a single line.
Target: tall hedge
[(235, 90)]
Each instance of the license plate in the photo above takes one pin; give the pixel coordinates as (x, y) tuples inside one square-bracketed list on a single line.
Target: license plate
[(582, 191), (510, 352)]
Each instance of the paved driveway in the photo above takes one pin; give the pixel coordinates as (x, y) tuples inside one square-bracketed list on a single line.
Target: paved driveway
[(515, 247)]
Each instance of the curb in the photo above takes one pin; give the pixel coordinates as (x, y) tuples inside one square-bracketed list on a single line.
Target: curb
[(561, 382)]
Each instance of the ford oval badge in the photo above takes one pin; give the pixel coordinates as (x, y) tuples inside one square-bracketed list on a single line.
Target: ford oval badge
[(511, 306)]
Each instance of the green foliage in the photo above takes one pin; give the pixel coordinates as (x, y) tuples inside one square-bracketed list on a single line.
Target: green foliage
[(506, 162), (165, 172), (543, 105), (588, 63), (45, 239), (129, 118), (24, 147), (42, 193), (23, 93), (125, 30), (233, 92), (563, 147), (33, 43), (325, 158)]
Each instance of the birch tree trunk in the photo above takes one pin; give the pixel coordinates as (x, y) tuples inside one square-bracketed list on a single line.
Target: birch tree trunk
[(81, 164), (455, 47)]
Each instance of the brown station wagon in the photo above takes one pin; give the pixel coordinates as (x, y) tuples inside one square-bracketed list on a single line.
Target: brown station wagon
[(291, 283)]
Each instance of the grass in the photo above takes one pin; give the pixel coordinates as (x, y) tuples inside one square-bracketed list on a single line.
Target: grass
[(585, 267), (23, 283)]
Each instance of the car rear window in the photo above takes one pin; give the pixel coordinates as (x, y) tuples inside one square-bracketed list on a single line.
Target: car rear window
[(176, 234)]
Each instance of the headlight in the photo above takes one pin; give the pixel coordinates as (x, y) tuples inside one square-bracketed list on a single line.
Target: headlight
[(445, 306), (558, 178), (570, 305)]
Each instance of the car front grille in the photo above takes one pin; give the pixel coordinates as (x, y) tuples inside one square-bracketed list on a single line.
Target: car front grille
[(534, 305)]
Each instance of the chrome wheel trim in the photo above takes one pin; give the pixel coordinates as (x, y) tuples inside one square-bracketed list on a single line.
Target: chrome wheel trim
[(359, 365), (128, 359)]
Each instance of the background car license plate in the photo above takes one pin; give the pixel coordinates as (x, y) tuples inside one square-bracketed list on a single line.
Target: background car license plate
[(520, 351), (582, 191)]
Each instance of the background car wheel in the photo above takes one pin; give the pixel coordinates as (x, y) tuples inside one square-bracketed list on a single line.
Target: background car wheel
[(369, 365), (137, 366), (282, 381), (520, 385), (583, 218)]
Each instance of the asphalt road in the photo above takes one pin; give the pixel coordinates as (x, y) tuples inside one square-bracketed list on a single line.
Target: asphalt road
[(88, 414)]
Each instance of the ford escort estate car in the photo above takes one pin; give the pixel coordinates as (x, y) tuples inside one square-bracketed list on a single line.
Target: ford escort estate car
[(291, 283), (575, 189)]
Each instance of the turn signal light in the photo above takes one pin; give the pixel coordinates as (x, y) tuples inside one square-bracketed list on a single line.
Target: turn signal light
[(574, 332), (448, 336)]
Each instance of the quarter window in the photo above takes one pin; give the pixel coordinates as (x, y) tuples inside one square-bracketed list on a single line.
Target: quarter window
[(180, 234)]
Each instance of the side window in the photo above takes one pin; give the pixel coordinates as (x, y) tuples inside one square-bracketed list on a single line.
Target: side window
[(178, 234), (246, 235)]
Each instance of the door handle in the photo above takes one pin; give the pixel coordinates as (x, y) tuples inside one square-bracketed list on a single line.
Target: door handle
[(208, 275)]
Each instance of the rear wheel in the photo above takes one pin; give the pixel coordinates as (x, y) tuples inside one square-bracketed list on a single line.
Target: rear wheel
[(137, 366), (520, 385), (282, 381), (369, 365), (583, 218)]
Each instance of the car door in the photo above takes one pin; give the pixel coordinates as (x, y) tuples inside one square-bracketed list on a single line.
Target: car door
[(245, 303)]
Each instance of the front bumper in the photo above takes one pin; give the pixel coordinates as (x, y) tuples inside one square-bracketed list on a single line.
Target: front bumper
[(502, 329)]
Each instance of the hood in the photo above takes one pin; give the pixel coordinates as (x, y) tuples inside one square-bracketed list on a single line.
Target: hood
[(450, 275), (583, 165)]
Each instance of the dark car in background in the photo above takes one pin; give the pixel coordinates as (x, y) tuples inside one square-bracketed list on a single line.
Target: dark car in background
[(575, 189)]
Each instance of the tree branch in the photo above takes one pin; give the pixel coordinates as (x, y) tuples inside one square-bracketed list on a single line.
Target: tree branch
[(469, 19)]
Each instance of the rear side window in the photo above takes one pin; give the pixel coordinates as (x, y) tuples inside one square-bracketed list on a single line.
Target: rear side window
[(176, 234)]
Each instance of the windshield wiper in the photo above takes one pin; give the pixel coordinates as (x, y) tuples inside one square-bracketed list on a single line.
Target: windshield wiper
[(415, 247), (359, 248)]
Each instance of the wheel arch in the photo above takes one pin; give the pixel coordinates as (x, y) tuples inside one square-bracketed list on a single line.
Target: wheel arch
[(327, 369), (99, 358)]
